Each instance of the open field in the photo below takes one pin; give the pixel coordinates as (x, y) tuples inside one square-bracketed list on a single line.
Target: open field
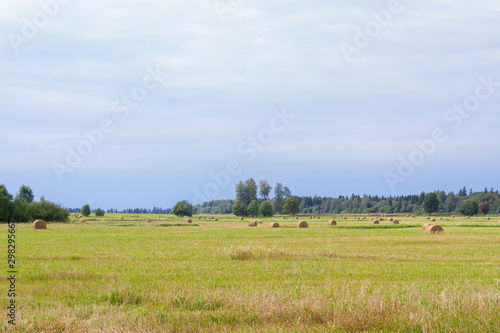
[(112, 275)]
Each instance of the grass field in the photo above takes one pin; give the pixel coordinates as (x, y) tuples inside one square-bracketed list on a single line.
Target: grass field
[(111, 275)]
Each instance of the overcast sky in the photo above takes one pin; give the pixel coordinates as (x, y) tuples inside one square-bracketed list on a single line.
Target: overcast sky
[(143, 103)]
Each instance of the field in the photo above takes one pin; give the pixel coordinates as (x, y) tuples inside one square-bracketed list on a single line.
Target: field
[(112, 275)]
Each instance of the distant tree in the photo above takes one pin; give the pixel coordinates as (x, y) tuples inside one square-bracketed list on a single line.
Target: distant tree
[(25, 195), (431, 203), (48, 211), (463, 192), (469, 207), (250, 190), (85, 210), (253, 209), (266, 209), (183, 208), (99, 212), (485, 208), (278, 198), (239, 208), (291, 206), (240, 192), (286, 192), (6, 206), (264, 190)]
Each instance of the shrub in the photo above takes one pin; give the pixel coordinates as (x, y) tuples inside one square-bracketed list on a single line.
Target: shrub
[(468, 207), (48, 211), (85, 210), (99, 212), (183, 208), (266, 209)]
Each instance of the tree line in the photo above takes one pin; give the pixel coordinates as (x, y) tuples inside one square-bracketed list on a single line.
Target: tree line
[(248, 191), (23, 208)]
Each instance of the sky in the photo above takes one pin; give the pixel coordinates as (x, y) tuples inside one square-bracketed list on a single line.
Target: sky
[(124, 104)]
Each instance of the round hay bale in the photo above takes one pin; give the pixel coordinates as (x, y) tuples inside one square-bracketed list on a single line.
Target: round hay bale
[(376, 222), (216, 219), (381, 219), (199, 217), (242, 219), (189, 221), (157, 217), (39, 224), (83, 221), (434, 229), (332, 222), (498, 222), (488, 219), (425, 226), (427, 218), (259, 222), (310, 217), (296, 218), (468, 217), (407, 215), (395, 222), (282, 218), (302, 224), (252, 223), (433, 220), (148, 220), (453, 216), (274, 225), (391, 219)]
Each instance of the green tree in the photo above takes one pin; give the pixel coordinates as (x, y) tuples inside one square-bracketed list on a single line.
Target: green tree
[(278, 198), (469, 207), (48, 211), (99, 212), (250, 191), (25, 195), (431, 203), (239, 208), (183, 208), (85, 210), (6, 206), (291, 206), (240, 192), (286, 192), (485, 208), (253, 209), (266, 209), (264, 189)]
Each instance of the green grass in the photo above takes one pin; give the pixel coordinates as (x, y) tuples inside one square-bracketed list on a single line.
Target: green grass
[(221, 276)]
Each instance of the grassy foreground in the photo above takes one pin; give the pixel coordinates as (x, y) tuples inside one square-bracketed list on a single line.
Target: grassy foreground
[(112, 275)]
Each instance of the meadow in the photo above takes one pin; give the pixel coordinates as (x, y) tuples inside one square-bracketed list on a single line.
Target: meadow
[(113, 275)]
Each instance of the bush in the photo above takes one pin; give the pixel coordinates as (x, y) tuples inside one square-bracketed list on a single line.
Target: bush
[(6, 207), (85, 210), (469, 207), (266, 209), (485, 208), (239, 208), (47, 211), (99, 212), (183, 208), (253, 208)]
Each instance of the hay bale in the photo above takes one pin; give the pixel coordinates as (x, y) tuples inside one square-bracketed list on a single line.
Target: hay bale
[(433, 220), (468, 217), (391, 219), (216, 219), (274, 225), (296, 218), (488, 219), (434, 229), (242, 219), (332, 222), (302, 224), (121, 217), (381, 219), (189, 221), (407, 215), (413, 216), (199, 217), (498, 222), (252, 223), (148, 220), (259, 222), (376, 222), (425, 226), (282, 218), (39, 224), (453, 216), (83, 221), (395, 222)]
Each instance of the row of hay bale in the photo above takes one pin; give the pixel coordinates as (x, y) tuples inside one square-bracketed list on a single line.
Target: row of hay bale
[(301, 224)]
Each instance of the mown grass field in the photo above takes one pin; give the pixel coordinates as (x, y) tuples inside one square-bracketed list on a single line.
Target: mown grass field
[(111, 275)]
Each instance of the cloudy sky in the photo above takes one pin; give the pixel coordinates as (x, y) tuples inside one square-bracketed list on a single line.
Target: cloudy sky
[(143, 103)]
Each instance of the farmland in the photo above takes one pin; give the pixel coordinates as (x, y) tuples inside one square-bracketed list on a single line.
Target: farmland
[(128, 275)]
